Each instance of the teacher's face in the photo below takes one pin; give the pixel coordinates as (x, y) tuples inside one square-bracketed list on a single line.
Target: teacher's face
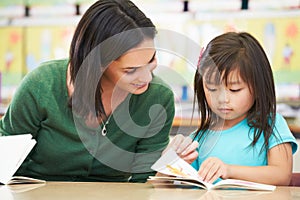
[(132, 72)]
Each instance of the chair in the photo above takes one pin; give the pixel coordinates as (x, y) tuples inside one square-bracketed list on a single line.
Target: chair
[(295, 181)]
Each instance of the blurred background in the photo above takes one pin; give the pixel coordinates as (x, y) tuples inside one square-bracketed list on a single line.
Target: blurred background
[(33, 31)]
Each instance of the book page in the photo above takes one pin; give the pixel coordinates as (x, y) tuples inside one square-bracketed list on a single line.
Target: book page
[(23, 179), (13, 151), (233, 183), (11, 189), (171, 164), (180, 171), (177, 181)]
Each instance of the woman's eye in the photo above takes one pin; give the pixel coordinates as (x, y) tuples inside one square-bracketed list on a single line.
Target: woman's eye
[(131, 71), (211, 89)]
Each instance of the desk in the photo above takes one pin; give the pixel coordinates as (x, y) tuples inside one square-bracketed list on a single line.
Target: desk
[(136, 191)]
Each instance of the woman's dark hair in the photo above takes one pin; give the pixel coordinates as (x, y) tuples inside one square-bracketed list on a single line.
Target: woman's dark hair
[(107, 30), (238, 51)]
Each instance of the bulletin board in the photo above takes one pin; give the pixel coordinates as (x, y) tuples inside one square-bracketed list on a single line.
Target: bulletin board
[(11, 60), (278, 33), (24, 48), (4, 3), (280, 38), (11, 57), (45, 43)]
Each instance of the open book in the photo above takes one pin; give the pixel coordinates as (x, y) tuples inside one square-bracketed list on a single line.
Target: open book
[(13, 151), (181, 172)]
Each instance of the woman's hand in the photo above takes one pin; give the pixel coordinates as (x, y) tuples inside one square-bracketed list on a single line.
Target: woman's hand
[(212, 169), (185, 147)]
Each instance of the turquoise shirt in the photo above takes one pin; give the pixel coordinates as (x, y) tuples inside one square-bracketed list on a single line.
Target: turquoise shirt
[(68, 150), (232, 145)]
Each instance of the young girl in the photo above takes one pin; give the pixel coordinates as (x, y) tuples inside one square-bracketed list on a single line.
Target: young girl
[(240, 135)]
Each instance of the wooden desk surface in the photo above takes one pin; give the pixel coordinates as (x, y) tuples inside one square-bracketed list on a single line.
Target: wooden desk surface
[(134, 191)]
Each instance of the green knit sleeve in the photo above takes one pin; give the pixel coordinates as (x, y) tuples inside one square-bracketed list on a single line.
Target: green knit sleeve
[(23, 114)]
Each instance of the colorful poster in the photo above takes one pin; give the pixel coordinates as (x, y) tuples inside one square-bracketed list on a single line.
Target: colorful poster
[(11, 60), (46, 43), (279, 36)]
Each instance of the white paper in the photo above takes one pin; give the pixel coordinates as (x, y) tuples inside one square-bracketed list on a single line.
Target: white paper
[(13, 151)]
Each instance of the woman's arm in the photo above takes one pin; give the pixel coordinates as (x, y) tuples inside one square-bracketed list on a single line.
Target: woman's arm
[(23, 114)]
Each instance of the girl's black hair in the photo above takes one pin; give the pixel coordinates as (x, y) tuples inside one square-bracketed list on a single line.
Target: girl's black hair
[(238, 51)]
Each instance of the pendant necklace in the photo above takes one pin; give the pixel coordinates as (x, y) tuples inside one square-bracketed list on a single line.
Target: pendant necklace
[(104, 131)]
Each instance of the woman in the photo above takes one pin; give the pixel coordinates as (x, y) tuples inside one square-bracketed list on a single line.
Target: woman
[(100, 115)]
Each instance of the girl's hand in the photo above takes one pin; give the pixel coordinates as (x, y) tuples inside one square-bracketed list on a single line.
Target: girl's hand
[(212, 169), (185, 147)]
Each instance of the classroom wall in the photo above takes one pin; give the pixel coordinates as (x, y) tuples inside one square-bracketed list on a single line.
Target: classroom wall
[(46, 34)]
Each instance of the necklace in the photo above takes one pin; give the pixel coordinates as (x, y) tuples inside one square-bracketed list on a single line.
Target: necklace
[(104, 131)]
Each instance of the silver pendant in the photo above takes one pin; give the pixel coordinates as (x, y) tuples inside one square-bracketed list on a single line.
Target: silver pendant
[(104, 131)]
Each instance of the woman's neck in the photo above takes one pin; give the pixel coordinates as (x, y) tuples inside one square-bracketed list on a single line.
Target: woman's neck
[(112, 96), (69, 84)]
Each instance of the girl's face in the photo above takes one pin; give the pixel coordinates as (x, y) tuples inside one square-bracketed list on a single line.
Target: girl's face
[(230, 102), (132, 72)]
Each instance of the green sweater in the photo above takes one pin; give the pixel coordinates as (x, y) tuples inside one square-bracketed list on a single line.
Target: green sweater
[(68, 150)]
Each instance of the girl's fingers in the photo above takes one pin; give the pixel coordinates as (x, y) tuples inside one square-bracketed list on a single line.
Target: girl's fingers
[(213, 173), (191, 157), (185, 147), (184, 144), (176, 142), (192, 147)]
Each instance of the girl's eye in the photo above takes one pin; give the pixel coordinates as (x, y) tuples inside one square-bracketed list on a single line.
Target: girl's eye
[(235, 90)]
